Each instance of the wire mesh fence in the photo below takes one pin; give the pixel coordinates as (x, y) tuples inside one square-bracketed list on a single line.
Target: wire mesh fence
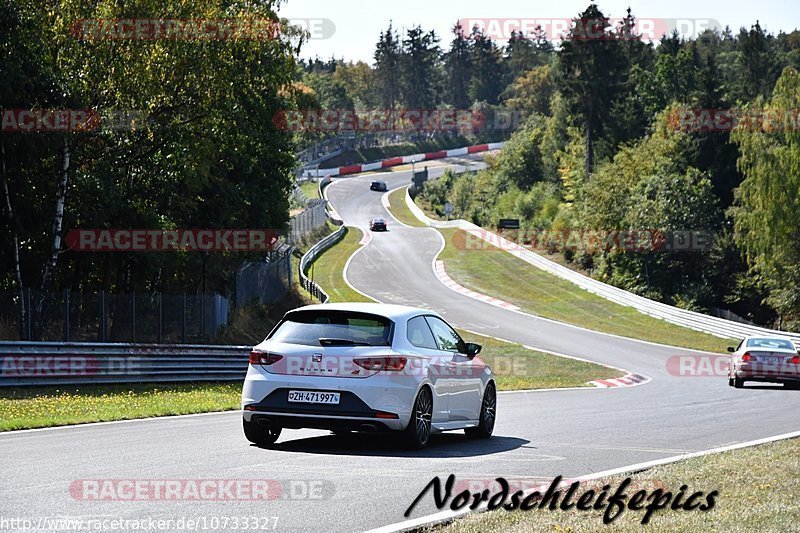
[(107, 317), (313, 217), (100, 316)]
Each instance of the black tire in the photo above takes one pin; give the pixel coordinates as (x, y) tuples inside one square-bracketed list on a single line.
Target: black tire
[(738, 383), (730, 382), (488, 415), (260, 435), (418, 432)]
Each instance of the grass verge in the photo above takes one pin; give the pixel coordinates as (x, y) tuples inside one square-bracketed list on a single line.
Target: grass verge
[(398, 208), (47, 407), (517, 367), (328, 269), (490, 270), (757, 488), (310, 189)]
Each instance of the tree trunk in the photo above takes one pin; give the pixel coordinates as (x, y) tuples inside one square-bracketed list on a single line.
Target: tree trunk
[(588, 155), (12, 223), (58, 219)]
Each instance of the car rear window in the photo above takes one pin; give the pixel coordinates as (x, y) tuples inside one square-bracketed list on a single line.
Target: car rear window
[(308, 327), (770, 344)]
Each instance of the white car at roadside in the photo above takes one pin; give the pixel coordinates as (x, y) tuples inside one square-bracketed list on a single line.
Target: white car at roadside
[(367, 367)]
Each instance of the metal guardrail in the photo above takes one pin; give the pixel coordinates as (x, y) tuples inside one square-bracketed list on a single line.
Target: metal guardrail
[(309, 257), (64, 363), (719, 327)]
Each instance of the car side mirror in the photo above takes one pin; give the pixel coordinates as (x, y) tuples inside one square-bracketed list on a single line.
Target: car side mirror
[(473, 349), (731, 349)]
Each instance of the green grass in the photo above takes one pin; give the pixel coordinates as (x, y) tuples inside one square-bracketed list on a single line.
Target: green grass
[(518, 368), (490, 270), (757, 492), (46, 407), (310, 189), (398, 207), (328, 269)]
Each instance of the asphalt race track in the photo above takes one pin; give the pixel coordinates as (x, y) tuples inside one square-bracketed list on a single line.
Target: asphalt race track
[(354, 483)]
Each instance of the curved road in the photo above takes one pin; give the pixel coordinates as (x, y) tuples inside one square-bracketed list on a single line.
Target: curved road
[(364, 481)]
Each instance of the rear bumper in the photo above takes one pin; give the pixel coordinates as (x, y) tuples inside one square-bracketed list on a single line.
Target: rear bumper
[(290, 421), (767, 373), (362, 401)]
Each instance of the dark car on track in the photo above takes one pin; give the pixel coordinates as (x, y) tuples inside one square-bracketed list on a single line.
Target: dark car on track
[(378, 186), (378, 224)]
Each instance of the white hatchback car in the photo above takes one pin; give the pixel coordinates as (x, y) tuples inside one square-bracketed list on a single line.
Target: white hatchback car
[(367, 367)]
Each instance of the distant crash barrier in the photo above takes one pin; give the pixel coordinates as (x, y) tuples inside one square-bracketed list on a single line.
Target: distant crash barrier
[(309, 257), (719, 327), (402, 160), (78, 363)]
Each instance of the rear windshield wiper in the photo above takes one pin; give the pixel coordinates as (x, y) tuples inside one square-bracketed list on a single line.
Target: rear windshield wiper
[(342, 342)]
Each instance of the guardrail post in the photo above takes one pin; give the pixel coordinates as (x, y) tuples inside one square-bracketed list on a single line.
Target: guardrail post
[(103, 325), (66, 315), (27, 305), (203, 316), (183, 320), (133, 317), (160, 318)]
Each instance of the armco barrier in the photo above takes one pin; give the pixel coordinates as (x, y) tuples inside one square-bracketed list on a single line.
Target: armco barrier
[(309, 257), (404, 160), (719, 327), (59, 363)]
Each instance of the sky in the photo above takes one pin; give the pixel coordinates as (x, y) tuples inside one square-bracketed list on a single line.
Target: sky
[(349, 28)]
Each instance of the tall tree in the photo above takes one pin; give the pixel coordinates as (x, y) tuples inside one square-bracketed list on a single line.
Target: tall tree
[(759, 71), (521, 55), (589, 75), (768, 200), (420, 63), (387, 68), (458, 66), (487, 78)]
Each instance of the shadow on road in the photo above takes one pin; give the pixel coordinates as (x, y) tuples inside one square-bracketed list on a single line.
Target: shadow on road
[(770, 386), (389, 445)]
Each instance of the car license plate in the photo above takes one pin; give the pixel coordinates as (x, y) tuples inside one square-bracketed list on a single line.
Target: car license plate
[(773, 360), (308, 396)]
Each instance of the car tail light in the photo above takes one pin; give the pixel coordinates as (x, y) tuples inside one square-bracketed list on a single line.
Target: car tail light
[(747, 357), (795, 360), (389, 363), (261, 358)]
